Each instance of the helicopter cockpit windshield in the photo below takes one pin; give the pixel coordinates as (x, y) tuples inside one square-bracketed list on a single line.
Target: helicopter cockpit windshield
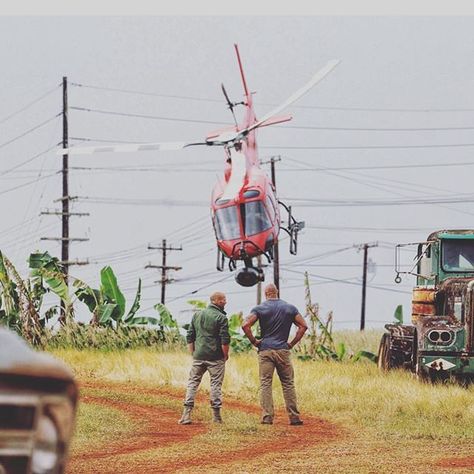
[(254, 220), (254, 217), (226, 223)]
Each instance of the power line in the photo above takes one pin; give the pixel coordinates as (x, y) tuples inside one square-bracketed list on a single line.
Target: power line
[(346, 282), (35, 101), (311, 107), (150, 94), (368, 147), (308, 202), (19, 186), (292, 127), (377, 129), (143, 202), (28, 160), (370, 229), (145, 116), (36, 127)]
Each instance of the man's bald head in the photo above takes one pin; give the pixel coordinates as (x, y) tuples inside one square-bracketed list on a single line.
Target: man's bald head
[(218, 298), (271, 291)]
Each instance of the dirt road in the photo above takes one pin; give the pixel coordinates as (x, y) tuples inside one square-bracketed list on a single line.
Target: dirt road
[(159, 429)]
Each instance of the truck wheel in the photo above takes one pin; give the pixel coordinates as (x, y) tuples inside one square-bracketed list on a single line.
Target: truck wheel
[(384, 359)]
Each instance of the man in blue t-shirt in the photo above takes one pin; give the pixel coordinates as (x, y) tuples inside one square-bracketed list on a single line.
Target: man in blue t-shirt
[(276, 318)]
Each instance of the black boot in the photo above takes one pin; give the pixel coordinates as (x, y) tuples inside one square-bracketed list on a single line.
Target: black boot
[(216, 415)]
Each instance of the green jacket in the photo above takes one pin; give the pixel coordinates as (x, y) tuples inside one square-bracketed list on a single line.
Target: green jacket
[(209, 329)]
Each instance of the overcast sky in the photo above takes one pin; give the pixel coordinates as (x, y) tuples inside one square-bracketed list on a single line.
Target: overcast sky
[(391, 125)]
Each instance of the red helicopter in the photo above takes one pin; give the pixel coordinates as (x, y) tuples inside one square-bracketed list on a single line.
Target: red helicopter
[(244, 206)]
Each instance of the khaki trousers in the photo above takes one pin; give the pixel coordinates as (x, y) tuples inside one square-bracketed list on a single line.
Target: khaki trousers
[(216, 369), (268, 361)]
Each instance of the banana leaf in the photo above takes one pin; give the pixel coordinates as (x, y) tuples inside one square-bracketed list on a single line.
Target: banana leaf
[(49, 268), (136, 304), (398, 314), (143, 320), (368, 355), (198, 304), (166, 319), (111, 290), (105, 312), (340, 350), (10, 300), (90, 297)]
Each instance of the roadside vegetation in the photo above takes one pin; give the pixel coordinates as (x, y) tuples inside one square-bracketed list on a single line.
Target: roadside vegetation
[(393, 405), (121, 357)]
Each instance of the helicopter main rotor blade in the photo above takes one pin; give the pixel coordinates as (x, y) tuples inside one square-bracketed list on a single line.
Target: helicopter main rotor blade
[(229, 102), (228, 137), (163, 146), (318, 77)]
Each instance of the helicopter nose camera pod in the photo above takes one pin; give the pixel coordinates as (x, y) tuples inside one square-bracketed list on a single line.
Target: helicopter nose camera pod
[(249, 276)]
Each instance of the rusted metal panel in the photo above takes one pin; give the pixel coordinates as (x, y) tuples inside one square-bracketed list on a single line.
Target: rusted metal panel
[(436, 235), (423, 303), (424, 295)]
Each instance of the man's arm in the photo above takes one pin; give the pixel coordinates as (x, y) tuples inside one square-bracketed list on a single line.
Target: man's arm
[(191, 336), (225, 351), (302, 328), (247, 328), (225, 337)]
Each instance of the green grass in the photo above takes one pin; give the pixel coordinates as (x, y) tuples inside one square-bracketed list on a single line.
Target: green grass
[(97, 424), (392, 405)]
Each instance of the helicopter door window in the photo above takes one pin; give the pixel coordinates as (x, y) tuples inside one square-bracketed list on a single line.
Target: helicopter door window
[(227, 223), (271, 209), (255, 218)]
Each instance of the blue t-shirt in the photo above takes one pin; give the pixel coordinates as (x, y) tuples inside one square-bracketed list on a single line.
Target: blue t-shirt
[(276, 317)]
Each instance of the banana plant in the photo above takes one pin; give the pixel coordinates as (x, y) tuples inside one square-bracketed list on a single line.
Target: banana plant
[(19, 310), (48, 275), (107, 304), (10, 303)]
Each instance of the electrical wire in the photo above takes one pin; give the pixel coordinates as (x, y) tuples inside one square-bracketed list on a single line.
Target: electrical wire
[(145, 116), (36, 127), (28, 160), (310, 107), (35, 101), (366, 147)]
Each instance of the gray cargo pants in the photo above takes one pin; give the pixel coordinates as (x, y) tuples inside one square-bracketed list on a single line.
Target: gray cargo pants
[(216, 369), (268, 361)]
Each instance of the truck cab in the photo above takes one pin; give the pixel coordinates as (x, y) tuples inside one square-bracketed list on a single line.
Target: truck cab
[(440, 341), (38, 398)]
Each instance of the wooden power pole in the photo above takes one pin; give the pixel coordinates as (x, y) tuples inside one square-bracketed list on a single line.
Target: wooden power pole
[(164, 267), (276, 253), (365, 248)]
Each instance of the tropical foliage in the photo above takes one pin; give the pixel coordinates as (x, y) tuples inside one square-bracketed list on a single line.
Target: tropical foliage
[(115, 325), (321, 343)]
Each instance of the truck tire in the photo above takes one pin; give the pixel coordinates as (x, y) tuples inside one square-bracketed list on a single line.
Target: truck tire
[(384, 358)]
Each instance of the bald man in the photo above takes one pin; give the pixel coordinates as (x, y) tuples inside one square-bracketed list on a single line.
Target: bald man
[(276, 318), (208, 341)]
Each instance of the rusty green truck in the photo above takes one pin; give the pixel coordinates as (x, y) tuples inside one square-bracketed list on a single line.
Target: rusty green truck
[(439, 343)]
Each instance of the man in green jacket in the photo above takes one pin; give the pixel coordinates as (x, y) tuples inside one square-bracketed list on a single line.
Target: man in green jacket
[(208, 341)]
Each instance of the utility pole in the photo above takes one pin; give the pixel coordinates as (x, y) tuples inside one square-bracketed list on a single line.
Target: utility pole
[(276, 253), (259, 283), (364, 247), (64, 212), (164, 268), (65, 216)]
